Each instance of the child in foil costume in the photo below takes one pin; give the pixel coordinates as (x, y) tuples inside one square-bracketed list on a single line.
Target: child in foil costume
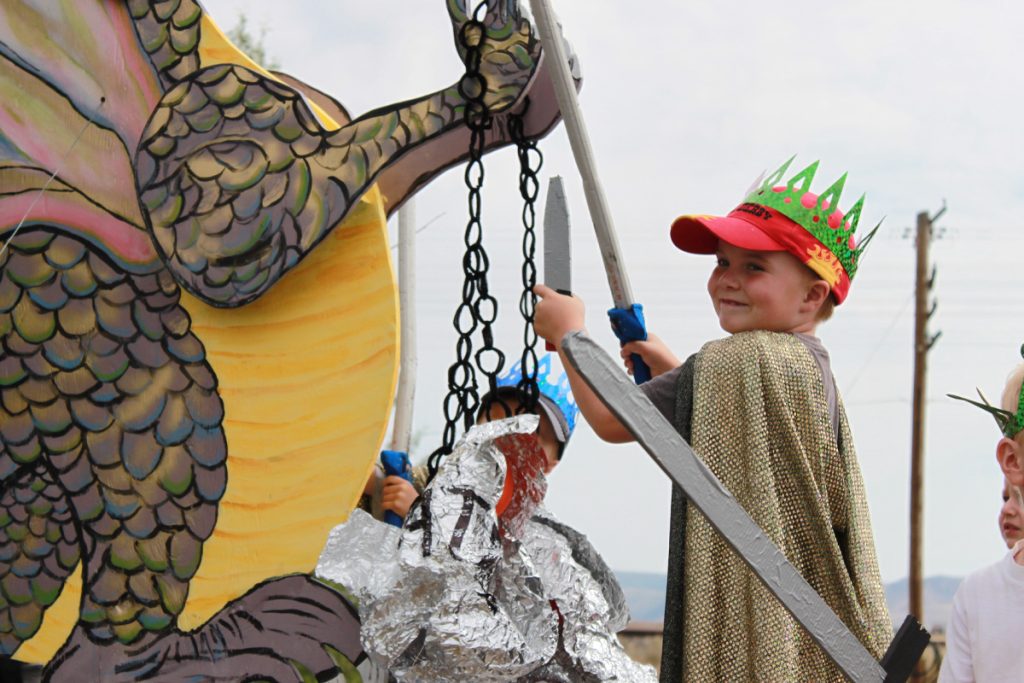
[(482, 583), (761, 408)]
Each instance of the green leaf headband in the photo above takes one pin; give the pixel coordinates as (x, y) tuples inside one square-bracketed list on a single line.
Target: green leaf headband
[(1010, 424)]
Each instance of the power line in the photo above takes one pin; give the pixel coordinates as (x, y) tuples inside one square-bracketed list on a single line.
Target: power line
[(422, 227), (878, 346)]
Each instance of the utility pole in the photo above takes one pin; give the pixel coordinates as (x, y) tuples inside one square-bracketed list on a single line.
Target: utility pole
[(923, 342)]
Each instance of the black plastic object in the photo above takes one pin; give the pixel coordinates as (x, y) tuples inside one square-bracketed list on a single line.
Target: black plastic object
[(905, 651)]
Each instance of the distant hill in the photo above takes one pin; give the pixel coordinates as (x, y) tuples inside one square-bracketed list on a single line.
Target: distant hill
[(938, 600), (645, 593)]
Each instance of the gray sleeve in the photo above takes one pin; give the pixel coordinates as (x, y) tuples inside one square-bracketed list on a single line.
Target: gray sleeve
[(662, 392), (821, 357)]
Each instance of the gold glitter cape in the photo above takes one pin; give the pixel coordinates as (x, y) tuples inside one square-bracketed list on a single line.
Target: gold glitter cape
[(761, 422)]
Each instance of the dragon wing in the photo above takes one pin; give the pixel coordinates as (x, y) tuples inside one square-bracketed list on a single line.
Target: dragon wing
[(62, 66)]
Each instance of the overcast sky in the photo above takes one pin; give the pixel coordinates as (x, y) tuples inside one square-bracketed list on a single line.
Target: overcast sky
[(686, 102)]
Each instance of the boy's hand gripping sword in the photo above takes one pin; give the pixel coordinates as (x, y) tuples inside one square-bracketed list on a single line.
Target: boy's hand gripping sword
[(675, 457), (627, 317)]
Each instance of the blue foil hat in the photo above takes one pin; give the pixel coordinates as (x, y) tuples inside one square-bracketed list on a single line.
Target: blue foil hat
[(555, 397)]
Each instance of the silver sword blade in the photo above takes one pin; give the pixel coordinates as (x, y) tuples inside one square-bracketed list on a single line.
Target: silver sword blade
[(579, 141), (557, 239), (675, 457)]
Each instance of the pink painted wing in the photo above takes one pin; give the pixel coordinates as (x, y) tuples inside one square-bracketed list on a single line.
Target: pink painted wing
[(63, 65)]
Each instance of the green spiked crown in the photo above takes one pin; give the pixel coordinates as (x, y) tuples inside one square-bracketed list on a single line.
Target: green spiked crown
[(817, 214)]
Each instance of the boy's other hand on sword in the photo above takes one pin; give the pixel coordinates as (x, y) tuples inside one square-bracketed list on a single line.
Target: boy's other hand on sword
[(658, 357)]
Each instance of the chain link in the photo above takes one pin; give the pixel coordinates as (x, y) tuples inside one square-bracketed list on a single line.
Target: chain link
[(479, 308), (530, 162)]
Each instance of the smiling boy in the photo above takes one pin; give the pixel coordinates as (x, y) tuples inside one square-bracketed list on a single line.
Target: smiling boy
[(761, 408), (764, 290)]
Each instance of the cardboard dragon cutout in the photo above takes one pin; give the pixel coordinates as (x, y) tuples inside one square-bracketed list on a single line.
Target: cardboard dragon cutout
[(198, 325)]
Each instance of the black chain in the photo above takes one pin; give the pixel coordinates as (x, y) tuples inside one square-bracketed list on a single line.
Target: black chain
[(530, 162), (479, 308)]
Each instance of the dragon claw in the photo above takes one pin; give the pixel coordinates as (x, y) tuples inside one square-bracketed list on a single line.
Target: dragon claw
[(510, 51)]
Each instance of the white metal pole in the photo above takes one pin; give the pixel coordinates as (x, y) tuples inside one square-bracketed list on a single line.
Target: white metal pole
[(401, 429), (565, 91)]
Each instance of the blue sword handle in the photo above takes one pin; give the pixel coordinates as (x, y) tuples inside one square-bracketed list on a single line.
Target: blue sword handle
[(628, 325), (395, 463)]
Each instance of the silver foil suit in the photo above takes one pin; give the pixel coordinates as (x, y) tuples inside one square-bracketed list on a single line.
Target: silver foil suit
[(462, 593)]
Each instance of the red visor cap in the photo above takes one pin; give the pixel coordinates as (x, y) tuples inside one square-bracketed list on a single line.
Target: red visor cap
[(757, 228), (700, 234)]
